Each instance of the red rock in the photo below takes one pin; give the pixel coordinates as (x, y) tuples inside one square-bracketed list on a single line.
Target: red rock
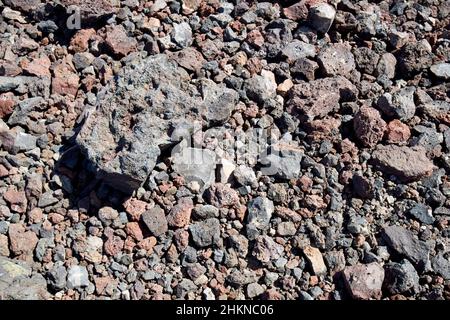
[(113, 245), (3, 171), (305, 183), (326, 128), (221, 195), (147, 244), (298, 11), (16, 199), (369, 126), (254, 65), (135, 208), (101, 283), (319, 97), (408, 164), (65, 79), (39, 67), (364, 281), (180, 215), (189, 58), (255, 38), (9, 69), (134, 230), (315, 259), (118, 41), (181, 237), (80, 41), (7, 104), (272, 294), (22, 242), (397, 132), (35, 215)]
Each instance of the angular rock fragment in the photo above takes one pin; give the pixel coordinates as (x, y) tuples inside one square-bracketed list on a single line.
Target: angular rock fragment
[(315, 259), (399, 104), (319, 97), (400, 277), (441, 265), (151, 105), (406, 244), (406, 163), (441, 70), (369, 126), (155, 220), (205, 233), (91, 8), (322, 16), (259, 213), (18, 282), (118, 41), (336, 59), (364, 281), (77, 277), (22, 242), (266, 250), (196, 165)]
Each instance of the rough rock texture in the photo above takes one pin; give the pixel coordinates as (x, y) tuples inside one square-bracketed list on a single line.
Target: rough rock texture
[(123, 136), (364, 281), (92, 8), (225, 150), (396, 160), (319, 97), (18, 282), (405, 243), (369, 126)]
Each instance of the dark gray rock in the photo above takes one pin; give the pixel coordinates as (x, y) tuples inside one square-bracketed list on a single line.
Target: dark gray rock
[(441, 265), (399, 104), (403, 242), (400, 277), (57, 276), (150, 104), (205, 233), (206, 211), (298, 49), (259, 213)]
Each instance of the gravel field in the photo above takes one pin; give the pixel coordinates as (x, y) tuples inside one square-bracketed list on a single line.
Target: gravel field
[(225, 150)]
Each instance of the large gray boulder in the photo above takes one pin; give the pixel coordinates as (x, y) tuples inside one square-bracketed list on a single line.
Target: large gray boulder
[(18, 282), (152, 104)]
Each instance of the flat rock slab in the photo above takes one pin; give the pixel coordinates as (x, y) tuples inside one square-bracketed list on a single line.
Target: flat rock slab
[(151, 104), (407, 164)]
